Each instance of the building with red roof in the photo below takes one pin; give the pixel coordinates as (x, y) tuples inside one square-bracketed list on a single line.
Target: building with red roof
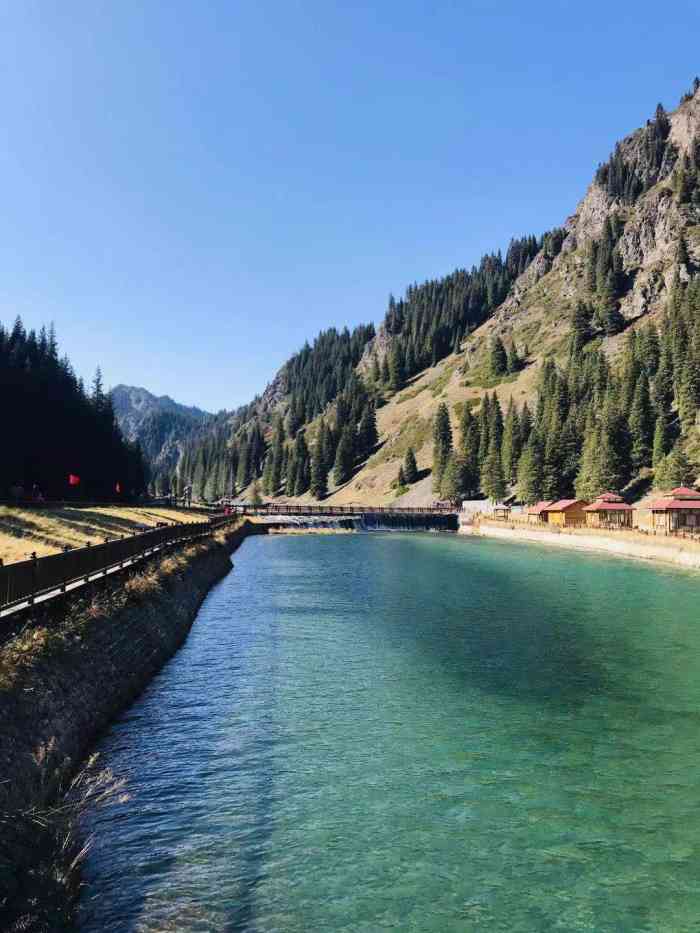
[(566, 512), (679, 511), (609, 509), (536, 513)]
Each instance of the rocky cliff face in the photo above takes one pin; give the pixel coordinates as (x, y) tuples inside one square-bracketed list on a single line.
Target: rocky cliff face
[(653, 225), (134, 405)]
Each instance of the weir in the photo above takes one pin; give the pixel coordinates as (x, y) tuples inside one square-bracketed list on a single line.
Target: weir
[(320, 511), (366, 521)]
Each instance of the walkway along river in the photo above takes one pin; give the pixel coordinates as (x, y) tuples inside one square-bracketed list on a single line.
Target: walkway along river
[(413, 732)]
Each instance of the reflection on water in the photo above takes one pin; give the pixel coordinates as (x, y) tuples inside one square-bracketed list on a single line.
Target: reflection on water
[(418, 733)]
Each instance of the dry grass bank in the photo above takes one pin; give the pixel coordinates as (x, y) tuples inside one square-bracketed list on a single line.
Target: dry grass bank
[(46, 531)]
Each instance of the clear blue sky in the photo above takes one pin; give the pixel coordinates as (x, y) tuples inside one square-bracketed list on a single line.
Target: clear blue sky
[(191, 190)]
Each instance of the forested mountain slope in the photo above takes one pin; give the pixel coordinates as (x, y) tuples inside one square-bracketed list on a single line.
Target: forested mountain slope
[(591, 330)]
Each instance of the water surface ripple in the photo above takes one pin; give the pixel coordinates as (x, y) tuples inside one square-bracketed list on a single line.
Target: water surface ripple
[(413, 732)]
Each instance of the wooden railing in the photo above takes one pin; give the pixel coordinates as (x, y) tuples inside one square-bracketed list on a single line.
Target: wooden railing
[(28, 581)]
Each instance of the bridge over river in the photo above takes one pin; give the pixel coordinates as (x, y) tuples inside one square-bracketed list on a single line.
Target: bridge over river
[(338, 511)]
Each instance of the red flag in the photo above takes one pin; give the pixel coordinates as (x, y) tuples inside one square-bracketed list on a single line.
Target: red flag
[(73, 480), (118, 487)]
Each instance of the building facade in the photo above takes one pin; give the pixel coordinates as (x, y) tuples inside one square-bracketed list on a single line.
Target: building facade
[(680, 511), (609, 511)]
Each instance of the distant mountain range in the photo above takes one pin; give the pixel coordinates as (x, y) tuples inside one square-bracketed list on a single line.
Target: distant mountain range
[(160, 425)]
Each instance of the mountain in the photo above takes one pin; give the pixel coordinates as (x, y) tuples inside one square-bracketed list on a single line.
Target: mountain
[(160, 425), (591, 329)]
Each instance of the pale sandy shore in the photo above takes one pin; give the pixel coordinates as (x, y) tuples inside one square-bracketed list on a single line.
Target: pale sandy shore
[(631, 544)]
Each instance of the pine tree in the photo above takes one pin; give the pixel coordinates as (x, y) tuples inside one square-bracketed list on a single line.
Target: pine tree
[(640, 425), (344, 457), (689, 394), (375, 371), (529, 488), (510, 443), (498, 358), (649, 349), (303, 465), (275, 478), (661, 440), (386, 375), (525, 425), (411, 365), (367, 436), (469, 450), (569, 452), (677, 471), (319, 473), (492, 481), (663, 381), (442, 444), (267, 486), (484, 430), (452, 484), (410, 468), (552, 467), (400, 479), (291, 475), (396, 369), (514, 363), (326, 446), (580, 328), (495, 421), (244, 475), (588, 481)]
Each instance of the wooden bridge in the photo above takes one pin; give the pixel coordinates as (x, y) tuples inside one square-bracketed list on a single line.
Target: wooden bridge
[(329, 511)]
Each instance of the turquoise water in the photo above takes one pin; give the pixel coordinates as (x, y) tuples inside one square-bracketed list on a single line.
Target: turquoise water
[(414, 732)]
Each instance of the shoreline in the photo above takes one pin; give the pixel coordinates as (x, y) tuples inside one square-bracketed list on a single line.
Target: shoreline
[(632, 545)]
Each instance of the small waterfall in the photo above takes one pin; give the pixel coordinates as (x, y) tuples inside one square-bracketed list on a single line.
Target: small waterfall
[(398, 522), (368, 521)]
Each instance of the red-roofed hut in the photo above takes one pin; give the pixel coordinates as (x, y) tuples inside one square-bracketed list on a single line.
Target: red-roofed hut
[(609, 509), (566, 512), (536, 513), (679, 511)]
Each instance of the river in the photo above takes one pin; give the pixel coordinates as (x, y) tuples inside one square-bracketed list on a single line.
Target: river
[(413, 732)]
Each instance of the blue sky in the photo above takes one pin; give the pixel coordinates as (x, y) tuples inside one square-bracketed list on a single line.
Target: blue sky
[(191, 190)]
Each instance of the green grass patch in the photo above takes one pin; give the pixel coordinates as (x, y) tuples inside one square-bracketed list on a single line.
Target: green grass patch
[(438, 386), (478, 379), (414, 432), (407, 396), (470, 403)]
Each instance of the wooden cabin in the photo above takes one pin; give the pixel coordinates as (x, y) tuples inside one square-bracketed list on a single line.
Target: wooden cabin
[(536, 514), (679, 511), (566, 513), (608, 510)]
